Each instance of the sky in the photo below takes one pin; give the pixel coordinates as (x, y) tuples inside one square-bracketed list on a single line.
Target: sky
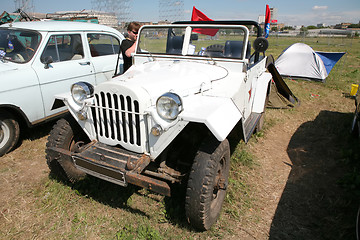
[(290, 12)]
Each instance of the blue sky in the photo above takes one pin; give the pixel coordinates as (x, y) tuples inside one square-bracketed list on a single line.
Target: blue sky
[(303, 12)]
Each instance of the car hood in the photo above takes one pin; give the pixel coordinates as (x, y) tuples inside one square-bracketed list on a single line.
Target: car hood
[(183, 78), (4, 67)]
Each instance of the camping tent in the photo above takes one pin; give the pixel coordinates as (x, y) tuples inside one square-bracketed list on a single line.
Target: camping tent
[(330, 59), (301, 61)]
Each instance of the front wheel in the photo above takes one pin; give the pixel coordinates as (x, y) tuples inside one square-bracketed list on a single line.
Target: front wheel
[(207, 184), (66, 134), (9, 132)]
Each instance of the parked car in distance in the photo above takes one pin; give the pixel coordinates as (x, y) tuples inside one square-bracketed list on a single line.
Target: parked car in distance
[(44, 58)]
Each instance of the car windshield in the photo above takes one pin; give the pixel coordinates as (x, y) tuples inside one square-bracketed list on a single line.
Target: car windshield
[(18, 45), (211, 41)]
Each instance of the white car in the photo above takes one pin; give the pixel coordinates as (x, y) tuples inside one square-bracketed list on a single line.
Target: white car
[(41, 59), (167, 120)]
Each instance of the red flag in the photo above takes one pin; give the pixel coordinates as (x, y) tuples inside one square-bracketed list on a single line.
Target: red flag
[(199, 16), (267, 14), (267, 21)]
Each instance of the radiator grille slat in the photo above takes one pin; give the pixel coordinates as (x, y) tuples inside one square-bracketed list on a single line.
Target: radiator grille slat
[(117, 117)]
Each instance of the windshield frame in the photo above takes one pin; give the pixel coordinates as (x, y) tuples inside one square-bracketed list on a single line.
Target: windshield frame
[(189, 30), (20, 43)]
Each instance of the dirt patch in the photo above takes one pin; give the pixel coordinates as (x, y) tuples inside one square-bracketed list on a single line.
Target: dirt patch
[(300, 166)]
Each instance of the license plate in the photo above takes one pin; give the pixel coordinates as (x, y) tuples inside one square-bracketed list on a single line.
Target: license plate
[(97, 170)]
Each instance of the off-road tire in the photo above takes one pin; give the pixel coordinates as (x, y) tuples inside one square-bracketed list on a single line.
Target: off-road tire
[(9, 132), (65, 134), (355, 128), (204, 200)]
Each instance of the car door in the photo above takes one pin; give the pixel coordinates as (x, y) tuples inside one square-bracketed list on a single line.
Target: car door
[(104, 50), (70, 63)]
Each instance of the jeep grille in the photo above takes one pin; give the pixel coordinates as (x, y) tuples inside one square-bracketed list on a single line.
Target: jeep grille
[(117, 118)]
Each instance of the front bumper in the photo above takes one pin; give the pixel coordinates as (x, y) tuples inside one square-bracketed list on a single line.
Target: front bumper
[(116, 165)]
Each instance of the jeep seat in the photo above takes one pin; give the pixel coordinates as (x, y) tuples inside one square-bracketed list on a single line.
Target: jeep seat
[(174, 45), (233, 49)]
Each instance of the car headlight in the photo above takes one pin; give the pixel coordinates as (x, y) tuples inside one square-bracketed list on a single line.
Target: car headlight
[(81, 91), (169, 106)]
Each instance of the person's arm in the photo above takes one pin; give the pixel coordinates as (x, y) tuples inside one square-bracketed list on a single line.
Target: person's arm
[(130, 50)]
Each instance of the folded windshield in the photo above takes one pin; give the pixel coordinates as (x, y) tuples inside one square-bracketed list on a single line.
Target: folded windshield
[(212, 41), (18, 45)]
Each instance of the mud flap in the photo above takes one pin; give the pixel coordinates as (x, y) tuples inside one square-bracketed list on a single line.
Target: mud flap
[(281, 95)]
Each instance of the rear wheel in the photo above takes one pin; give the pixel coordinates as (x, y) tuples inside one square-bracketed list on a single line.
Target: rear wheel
[(207, 184), (9, 132), (66, 134)]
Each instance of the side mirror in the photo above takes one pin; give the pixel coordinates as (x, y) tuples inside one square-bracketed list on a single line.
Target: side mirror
[(47, 61)]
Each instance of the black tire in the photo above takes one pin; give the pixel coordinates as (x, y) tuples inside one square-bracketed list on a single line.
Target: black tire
[(9, 132), (66, 134), (355, 128), (358, 225), (207, 184)]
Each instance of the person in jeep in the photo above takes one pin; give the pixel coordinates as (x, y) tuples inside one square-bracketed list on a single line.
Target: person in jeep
[(128, 44)]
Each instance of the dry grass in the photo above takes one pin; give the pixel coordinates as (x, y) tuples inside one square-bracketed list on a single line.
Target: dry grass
[(266, 180)]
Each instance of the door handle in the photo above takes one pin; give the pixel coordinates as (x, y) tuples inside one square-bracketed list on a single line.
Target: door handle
[(84, 63)]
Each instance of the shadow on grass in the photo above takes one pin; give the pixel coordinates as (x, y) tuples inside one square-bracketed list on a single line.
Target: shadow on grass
[(38, 131), (104, 192), (318, 202)]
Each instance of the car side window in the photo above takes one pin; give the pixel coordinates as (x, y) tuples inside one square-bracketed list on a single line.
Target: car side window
[(103, 44), (64, 48)]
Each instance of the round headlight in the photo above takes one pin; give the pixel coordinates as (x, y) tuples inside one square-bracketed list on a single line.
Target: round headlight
[(169, 106), (81, 91)]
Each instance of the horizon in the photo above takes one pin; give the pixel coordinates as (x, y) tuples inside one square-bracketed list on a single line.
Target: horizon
[(304, 13)]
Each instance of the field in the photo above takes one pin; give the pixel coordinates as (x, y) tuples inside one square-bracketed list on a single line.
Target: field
[(297, 179)]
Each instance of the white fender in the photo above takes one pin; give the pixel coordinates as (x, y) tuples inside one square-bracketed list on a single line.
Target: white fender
[(260, 95), (219, 114)]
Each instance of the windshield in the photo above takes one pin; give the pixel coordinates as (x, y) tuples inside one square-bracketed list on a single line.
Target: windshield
[(18, 45), (215, 42)]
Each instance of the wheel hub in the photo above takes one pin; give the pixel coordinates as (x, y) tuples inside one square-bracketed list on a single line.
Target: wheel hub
[(4, 134)]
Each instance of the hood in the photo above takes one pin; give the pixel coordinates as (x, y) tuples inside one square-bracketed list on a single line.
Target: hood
[(7, 66), (183, 78)]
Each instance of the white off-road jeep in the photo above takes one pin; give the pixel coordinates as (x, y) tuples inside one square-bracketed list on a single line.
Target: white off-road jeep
[(167, 120)]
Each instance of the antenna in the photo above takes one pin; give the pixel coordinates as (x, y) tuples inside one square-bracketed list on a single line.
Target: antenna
[(171, 10), (121, 8), (24, 5)]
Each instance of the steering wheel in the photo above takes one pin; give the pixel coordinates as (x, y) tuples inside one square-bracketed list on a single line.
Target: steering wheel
[(29, 48), (18, 57)]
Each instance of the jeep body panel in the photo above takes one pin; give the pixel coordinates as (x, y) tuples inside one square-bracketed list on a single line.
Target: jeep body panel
[(217, 92)]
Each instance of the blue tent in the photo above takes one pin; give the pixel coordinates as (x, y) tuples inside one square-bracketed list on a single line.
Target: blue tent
[(330, 59)]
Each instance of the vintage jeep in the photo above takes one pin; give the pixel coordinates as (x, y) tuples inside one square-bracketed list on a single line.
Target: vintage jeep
[(167, 119)]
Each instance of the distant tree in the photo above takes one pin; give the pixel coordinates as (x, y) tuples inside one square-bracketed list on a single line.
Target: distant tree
[(288, 28), (311, 27), (274, 29), (354, 26), (303, 29)]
